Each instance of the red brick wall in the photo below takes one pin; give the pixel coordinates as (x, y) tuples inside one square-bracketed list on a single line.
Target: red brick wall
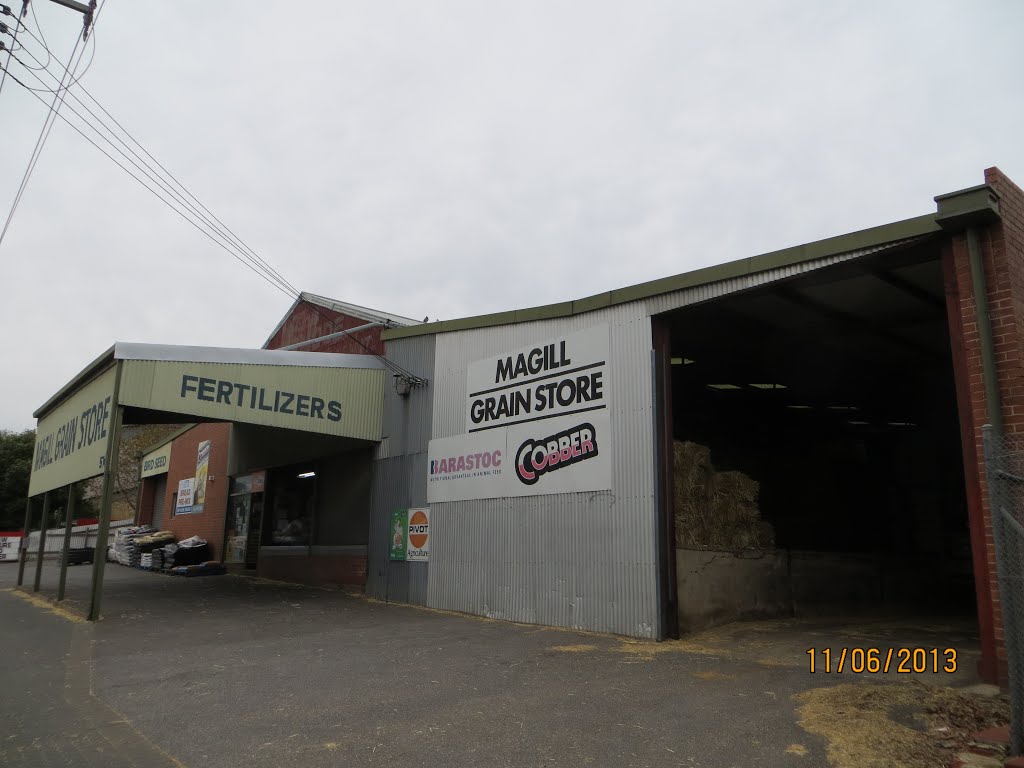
[(319, 570), (147, 489), (307, 321), (208, 524), (1002, 246)]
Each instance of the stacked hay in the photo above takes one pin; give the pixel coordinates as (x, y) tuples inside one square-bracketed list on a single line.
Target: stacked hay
[(715, 510)]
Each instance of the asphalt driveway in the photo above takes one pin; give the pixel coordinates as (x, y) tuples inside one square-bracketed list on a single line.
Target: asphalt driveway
[(226, 671)]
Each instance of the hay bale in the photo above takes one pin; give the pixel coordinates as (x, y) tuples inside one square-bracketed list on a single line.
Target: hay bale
[(692, 475), (715, 510)]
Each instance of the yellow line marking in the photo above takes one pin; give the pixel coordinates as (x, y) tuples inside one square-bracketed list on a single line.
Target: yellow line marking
[(581, 648), (41, 602)]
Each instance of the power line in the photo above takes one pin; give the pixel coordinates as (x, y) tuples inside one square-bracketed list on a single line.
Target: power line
[(46, 47), (228, 246), (40, 142), (58, 102), (6, 11), (145, 169), (232, 244), (140, 181), (238, 241)]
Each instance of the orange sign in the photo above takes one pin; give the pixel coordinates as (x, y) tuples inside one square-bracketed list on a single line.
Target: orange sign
[(419, 535), (419, 529)]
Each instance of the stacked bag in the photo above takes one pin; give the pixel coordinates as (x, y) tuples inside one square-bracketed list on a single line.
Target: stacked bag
[(191, 551), (124, 539), (191, 557), (144, 546)]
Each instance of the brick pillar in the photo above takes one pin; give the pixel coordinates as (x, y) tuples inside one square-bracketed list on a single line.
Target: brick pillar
[(144, 511), (1002, 247)]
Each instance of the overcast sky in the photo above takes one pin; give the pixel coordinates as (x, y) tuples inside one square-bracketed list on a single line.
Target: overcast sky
[(452, 158)]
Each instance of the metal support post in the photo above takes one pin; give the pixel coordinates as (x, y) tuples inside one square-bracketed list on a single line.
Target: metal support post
[(67, 542), (23, 545), (42, 541), (110, 467)]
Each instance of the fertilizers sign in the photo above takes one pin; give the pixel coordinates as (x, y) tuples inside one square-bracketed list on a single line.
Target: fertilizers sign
[(552, 378)]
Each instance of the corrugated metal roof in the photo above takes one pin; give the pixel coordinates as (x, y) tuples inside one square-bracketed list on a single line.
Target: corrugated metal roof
[(187, 354), (868, 239), (355, 310)]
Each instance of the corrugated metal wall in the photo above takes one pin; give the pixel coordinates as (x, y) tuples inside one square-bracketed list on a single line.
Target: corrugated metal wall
[(583, 560), (400, 472)]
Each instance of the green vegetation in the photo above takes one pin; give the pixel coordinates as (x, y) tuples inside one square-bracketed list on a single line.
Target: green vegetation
[(15, 468)]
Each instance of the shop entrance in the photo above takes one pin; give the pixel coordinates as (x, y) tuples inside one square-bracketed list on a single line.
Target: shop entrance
[(815, 461), (244, 520)]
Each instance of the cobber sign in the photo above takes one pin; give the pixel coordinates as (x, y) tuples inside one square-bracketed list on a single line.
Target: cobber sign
[(563, 455)]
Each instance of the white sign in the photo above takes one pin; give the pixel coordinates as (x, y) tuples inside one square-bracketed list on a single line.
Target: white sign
[(418, 546), (467, 466), (183, 506), (156, 462), (556, 377), (9, 543), (567, 454)]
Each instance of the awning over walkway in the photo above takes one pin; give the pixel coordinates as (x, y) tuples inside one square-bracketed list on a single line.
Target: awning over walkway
[(330, 394)]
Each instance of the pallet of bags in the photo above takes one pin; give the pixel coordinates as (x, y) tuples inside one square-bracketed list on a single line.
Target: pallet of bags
[(208, 568), (192, 551), (124, 539), (170, 551)]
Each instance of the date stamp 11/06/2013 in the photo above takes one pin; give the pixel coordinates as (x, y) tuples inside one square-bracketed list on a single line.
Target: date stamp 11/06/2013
[(903, 661)]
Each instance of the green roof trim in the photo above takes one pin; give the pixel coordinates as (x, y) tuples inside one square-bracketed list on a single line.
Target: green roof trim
[(832, 246)]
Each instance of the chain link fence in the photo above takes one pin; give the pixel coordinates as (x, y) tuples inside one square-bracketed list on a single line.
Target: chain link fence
[(1004, 466)]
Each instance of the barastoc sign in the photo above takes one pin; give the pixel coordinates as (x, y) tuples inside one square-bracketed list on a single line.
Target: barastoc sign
[(71, 440), (467, 466), (567, 454), (552, 378)]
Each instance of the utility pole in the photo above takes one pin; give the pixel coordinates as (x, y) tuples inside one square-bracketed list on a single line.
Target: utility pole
[(88, 12)]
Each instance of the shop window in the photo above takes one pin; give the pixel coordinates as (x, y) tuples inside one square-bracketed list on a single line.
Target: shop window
[(291, 494)]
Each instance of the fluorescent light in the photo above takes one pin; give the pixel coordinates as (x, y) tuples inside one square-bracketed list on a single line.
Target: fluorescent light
[(682, 361), (859, 423), (723, 386), (769, 386), (801, 407), (842, 407), (311, 473), (902, 424)]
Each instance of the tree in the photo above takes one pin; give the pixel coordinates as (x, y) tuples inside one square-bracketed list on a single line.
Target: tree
[(16, 449)]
